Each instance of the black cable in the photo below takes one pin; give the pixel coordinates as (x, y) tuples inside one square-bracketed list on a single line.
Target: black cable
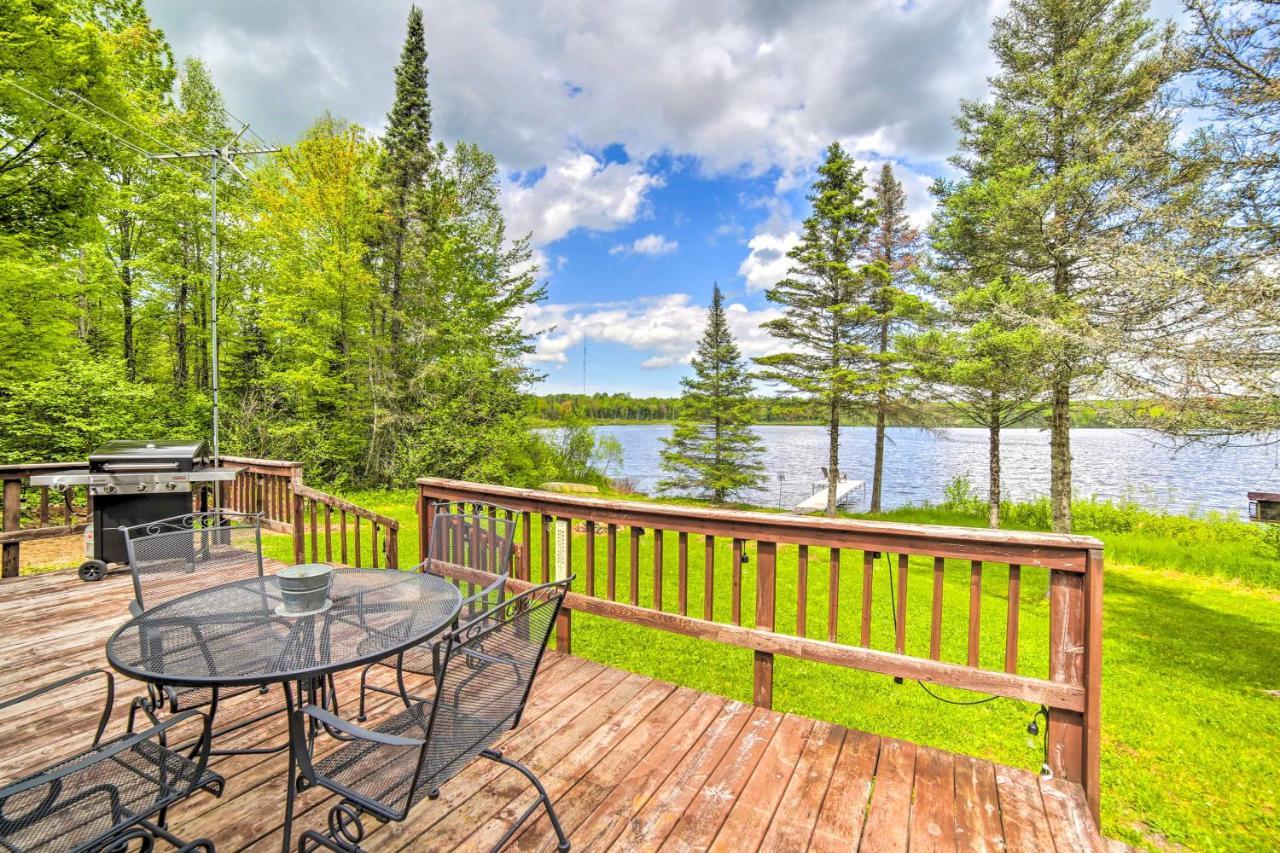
[(893, 609)]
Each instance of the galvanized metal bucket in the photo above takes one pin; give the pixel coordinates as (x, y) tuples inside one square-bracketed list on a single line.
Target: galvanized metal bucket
[(304, 589)]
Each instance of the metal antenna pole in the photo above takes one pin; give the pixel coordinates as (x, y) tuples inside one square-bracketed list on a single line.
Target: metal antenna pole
[(217, 157), (213, 291)]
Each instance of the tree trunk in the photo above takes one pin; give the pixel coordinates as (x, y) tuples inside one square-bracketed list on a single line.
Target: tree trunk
[(126, 307), (833, 455), (877, 474), (1060, 449), (993, 467), (180, 334)]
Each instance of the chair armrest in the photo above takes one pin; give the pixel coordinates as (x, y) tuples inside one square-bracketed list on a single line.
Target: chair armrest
[(135, 609), (122, 745), (71, 679), (334, 721)]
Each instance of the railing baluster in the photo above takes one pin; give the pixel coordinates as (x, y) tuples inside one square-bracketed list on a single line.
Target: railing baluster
[(709, 581), (802, 589), (44, 506), (736, 596), (833, 595), (682, 579), (935, 626), (657, 569), (589, 563), (373, 542), (315, 541), (328, 533), (1011, 626), (611, 562), (975, 609), (342, 534), (766, 588), (545, 527), (636, 533), (357, 537), (901, 620), (526, 556), (868, 569)]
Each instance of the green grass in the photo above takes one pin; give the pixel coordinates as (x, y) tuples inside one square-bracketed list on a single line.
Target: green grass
[(1190, 733)]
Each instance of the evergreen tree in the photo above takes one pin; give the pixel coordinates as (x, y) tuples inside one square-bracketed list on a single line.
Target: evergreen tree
[(824, 298), (1071, 183), (986, 363), (713, 450), (894, 308)]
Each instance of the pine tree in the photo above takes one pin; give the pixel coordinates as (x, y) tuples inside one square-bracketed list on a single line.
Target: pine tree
[(713, 450), (824, 298), (896, 245), (1071, 182)]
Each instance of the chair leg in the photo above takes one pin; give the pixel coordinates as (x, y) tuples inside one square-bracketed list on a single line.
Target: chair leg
[(543, 800), (364, 675)]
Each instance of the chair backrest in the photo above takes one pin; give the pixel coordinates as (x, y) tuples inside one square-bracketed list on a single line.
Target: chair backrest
[(471, 548), (178, 555), (488, 668)]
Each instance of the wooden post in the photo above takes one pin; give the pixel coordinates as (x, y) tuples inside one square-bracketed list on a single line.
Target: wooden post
[(1093, 683), (766, 587), (426, 521), (9, 561), (1066, 664), (564, 631), (299, 532)]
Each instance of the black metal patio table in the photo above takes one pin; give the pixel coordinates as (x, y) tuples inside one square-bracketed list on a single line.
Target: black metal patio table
[(236, 634)]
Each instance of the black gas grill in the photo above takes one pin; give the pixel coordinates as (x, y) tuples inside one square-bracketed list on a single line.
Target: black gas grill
[(136, 482)]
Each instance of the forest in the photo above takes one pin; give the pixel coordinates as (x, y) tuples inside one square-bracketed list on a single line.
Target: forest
[(368, 294)]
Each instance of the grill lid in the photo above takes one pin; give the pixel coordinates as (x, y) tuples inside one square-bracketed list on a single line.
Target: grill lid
[(124, 455)]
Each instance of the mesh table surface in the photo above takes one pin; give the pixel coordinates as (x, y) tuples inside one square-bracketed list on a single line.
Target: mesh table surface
[(230, 634)]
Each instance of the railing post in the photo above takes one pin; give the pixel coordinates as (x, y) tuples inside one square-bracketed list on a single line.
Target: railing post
[(766, 588), (299, 533), (426, 519), (1093, 683), (9, 552), (1066, 729)]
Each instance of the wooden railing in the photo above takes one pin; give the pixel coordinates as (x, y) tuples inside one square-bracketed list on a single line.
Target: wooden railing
[(263, 486), (806, 629), (37, 512), (317, 515)]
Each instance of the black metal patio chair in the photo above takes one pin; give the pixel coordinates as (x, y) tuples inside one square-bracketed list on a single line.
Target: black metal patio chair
[(387, 770), (113, 793), (470, 549), (174, 556)]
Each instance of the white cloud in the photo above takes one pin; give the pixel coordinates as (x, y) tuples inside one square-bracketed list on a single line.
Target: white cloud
[(577, 191), (666, 327), (651, 244), (767, 263)]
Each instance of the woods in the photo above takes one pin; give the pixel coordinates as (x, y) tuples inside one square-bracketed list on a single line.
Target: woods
[(368, 291)]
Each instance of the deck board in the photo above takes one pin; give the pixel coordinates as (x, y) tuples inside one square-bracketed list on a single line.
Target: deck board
[(633, 763)]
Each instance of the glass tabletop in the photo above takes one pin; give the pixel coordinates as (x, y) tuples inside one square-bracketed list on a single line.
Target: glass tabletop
[(232, 634)]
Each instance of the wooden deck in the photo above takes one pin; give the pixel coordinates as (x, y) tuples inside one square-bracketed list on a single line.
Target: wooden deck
[(632, 763)]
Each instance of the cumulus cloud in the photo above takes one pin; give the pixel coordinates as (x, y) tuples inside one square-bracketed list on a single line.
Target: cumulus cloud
[(650, 244), (578, 191), (666, 327), (735, 83), (766, 262)]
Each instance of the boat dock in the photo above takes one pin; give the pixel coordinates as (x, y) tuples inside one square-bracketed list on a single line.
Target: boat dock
[(845, 491)]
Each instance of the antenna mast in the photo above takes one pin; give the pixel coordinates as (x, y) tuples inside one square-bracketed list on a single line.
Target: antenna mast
[(218, 157)]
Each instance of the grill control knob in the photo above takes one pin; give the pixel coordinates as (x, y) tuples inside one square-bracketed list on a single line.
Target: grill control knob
[(170, 486), (142, 487), (108, 489)]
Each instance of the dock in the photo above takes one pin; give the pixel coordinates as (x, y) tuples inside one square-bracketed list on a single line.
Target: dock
[(845, 489)]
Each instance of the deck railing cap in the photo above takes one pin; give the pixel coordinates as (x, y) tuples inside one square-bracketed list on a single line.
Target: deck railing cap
[(787, 520)]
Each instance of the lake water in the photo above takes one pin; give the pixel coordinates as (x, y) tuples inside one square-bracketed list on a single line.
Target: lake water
[(1109, 463)]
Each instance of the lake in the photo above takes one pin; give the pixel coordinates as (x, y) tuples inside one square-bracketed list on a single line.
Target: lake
[(1109, 463)]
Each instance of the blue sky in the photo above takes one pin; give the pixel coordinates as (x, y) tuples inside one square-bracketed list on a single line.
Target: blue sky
[(649, 147)]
